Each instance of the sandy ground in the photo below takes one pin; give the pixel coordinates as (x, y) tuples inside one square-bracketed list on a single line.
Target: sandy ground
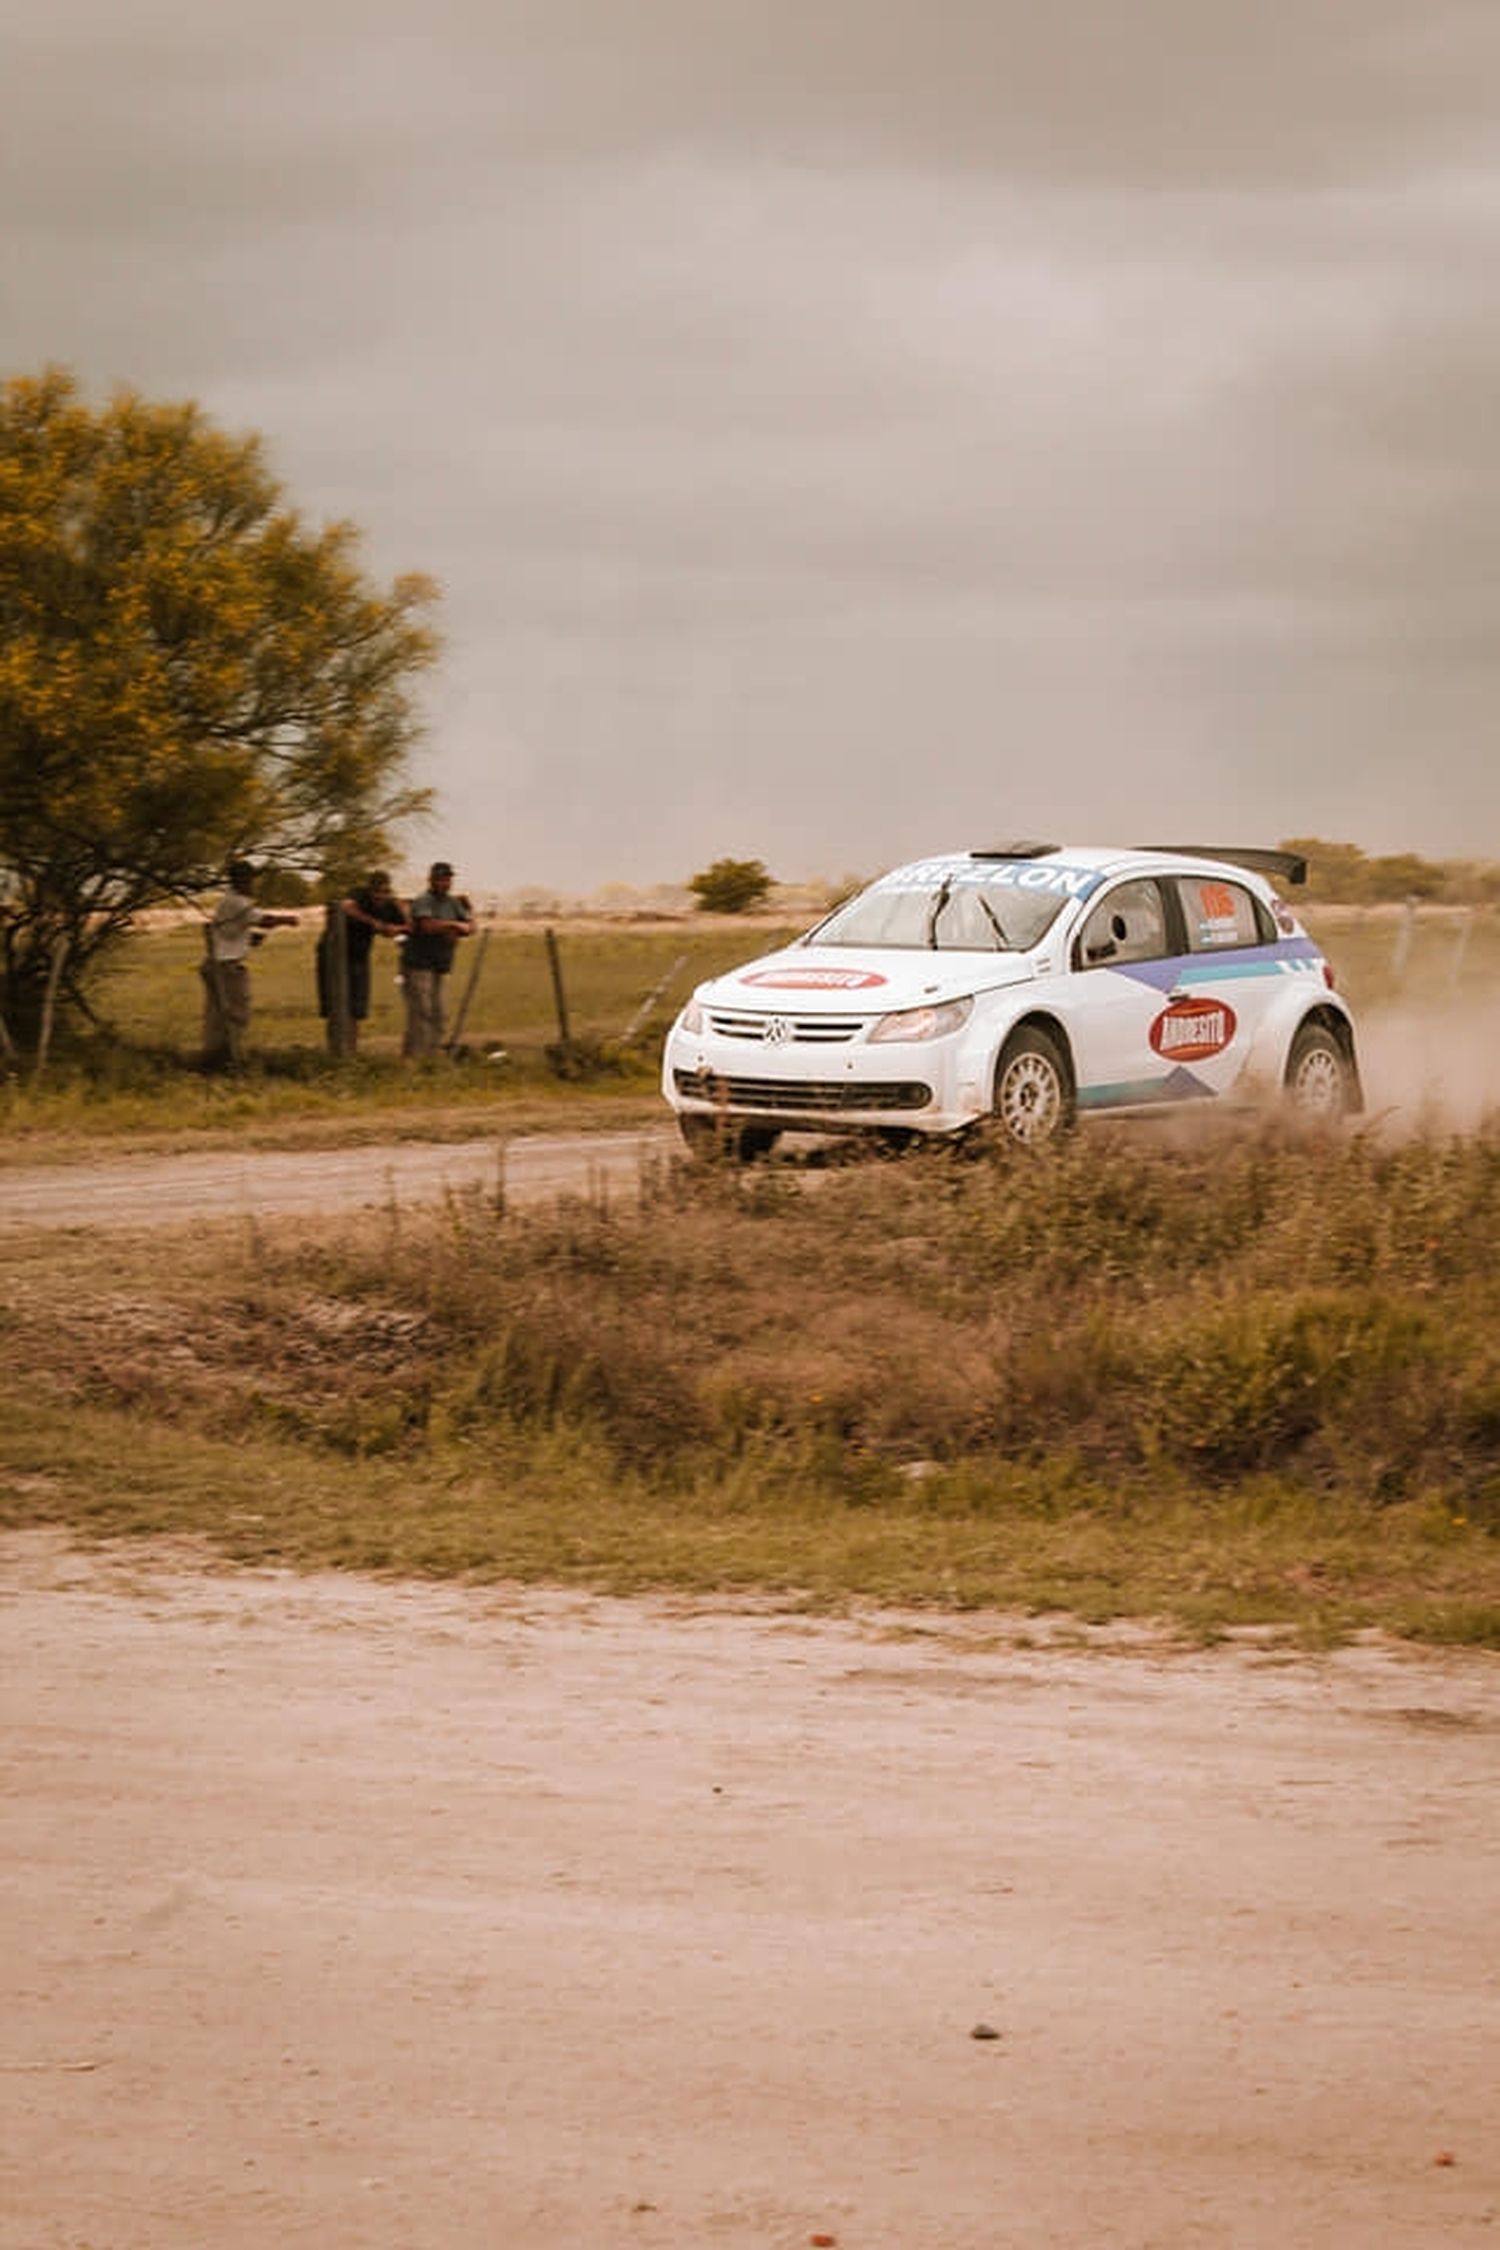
[(413, 1918), (135, 1191)]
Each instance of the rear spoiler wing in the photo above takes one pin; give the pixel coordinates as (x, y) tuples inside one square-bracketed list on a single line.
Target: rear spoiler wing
[(1291, 867)]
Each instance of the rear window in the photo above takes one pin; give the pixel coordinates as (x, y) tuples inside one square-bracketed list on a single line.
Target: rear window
[(1220, 915)]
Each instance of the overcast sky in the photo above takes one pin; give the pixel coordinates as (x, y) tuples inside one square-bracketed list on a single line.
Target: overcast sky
[(841, 429)]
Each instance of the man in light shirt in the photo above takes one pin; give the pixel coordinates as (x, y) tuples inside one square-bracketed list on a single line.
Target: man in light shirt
[(235, 925)]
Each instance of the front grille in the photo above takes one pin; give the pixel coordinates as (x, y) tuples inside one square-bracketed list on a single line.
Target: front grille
[(808, 1031), (808, 1098)]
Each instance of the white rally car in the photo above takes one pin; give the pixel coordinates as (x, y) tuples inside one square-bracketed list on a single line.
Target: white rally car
[(1027, 983)]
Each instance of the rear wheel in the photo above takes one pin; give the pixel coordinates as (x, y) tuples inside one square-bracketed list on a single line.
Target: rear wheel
[(1033, 1093), (1319, 1080)]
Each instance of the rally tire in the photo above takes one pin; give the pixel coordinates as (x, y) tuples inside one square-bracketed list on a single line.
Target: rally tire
[(1033, 1090), (1319, 1086)]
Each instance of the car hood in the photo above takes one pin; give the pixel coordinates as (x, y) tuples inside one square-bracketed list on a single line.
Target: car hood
[(843, 980)]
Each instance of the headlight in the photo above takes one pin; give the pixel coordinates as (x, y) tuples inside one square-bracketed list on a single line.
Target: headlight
[(691, 1018), (924, 1023)]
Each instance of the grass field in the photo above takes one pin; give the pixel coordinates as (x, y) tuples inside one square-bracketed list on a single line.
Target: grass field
[(1221, 1381), (138, 1081), (609, 973)]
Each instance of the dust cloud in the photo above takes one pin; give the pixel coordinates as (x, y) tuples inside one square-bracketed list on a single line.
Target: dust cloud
[(1432, 1064)]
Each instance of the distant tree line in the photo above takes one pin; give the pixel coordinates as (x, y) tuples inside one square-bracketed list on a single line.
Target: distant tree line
[(1343, 875), (1337, 875)]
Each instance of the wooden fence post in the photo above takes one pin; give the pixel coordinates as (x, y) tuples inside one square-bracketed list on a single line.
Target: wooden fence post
[(554, 960), (336, 972), (461, 1017)]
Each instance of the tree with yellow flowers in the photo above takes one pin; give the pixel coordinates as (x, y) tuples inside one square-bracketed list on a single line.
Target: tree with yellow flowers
[(187, 672)]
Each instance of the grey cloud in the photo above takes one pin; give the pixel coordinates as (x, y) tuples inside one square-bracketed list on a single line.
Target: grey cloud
[(837, 428), (1157, 92)]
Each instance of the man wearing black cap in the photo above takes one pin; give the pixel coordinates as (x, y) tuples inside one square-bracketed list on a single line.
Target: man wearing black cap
[(438, 921)]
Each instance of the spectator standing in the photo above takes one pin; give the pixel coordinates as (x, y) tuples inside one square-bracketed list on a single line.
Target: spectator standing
[(369, 912), (438, 920), (235, 926)]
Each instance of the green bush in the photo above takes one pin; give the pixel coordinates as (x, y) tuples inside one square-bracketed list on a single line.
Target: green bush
[(731, 886)]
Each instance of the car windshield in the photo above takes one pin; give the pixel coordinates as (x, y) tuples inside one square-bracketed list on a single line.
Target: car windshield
[(956, 906)]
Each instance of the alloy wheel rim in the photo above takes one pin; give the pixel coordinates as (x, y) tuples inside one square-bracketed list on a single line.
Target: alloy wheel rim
[(1319, 1086), (1030, 1099)]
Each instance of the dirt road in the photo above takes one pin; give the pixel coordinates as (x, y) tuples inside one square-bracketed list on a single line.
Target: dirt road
[(360, 1917), (134, 1191)]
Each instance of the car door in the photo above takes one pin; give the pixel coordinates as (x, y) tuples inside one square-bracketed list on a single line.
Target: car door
[(1123, 960), (1227, 974)]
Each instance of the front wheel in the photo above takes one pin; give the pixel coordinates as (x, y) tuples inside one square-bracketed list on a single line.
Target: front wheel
[(1033, 1092), (1319, 1078)]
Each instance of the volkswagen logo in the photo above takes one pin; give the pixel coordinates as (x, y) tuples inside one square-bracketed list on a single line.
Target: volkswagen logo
[(778, 1031)]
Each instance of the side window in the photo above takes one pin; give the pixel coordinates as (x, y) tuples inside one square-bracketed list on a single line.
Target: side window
[(1128, 924), (1219, 915)]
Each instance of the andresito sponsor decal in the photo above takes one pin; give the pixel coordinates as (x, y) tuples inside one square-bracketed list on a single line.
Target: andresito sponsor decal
[(1192, 1030), (814, 980)]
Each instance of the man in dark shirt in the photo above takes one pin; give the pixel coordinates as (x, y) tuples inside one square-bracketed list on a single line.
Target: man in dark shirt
[(370, 911), (438, 921)]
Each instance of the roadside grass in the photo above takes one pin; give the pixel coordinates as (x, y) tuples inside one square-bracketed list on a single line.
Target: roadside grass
[(1222, 1381), (302, 1101), (137, 1078)]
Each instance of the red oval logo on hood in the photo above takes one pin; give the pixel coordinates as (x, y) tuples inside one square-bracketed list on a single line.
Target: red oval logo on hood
[(1192, 1030), (814, 980)]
